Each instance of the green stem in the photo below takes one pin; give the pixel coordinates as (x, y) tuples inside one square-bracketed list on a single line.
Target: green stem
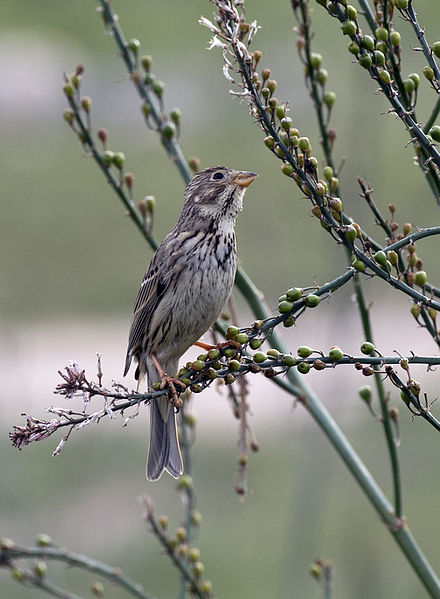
[(412, 237), (368, 14), (420, 33), (432, 117), (77, 560), (171, 146), (386, 421), (396, 526)]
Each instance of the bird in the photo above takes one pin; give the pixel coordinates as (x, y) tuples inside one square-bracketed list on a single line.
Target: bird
[(185, 288)]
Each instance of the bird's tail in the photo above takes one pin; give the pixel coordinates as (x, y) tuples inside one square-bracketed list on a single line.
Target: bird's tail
[(164, 451)]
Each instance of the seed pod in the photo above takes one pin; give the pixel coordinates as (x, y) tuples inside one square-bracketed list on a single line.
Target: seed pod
[(348, 28), (367, 348), (311, 300), (366, 393), (289, 360), (335, 353), (429, 73), (365, 61), (304, 351), (119, 159), (303, 367)]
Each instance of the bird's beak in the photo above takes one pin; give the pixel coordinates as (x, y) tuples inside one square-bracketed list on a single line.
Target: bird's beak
[(243, 178)]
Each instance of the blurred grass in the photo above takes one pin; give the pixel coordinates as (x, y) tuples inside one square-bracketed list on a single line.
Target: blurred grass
[(61, 219), (67, 250), (303, 504)]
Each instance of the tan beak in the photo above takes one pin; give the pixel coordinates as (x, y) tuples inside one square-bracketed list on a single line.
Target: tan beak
[(244, 179)]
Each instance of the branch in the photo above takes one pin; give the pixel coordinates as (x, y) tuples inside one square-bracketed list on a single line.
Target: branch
[(10, 552)]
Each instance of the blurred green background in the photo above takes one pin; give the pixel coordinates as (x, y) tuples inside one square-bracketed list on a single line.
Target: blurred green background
[(71, 264)]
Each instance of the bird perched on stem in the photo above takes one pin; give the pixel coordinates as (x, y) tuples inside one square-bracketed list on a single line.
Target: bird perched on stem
[(183, 292)]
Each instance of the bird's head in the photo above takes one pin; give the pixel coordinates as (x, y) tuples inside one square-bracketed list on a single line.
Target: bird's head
[(216, 193)]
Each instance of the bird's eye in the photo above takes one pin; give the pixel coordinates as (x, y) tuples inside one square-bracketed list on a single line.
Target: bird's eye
[(218, 176)]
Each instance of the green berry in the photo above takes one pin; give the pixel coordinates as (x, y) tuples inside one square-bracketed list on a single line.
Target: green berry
[(351, 12), (382, 34), (421, 278), (353, 48), (350, 233), (384, 76), (134, 45), (379, 58), (169, 131), (43, 540), (303, 367), (366, 393), (232, 332), (107, 157), (358, 265), (119, 159), (367, 348), (348, 28), (429, 73), (304, 351), (335, 353), (321, 76), (241, 338), (286, 123), (311, 300), (146, 62), (69, 90), (415, 310), (289, 360), (273, 353), (269, 142), (259, 357), (436, 49), (69, 116), (380, 258), (255, 343), (367, 42), (402, 4), (288, 322), (303, 143), (176, 115), (229, 352), (234, 365), (198, 365), (409, 85), (213, 354), (158, 87), (294, 294), (287, 169), (284, 307), (315, 60), (416, 78), (365, 61), (327, 172), (329, 99), (434, 132), (40, 569), (149, 78), (395, 38)]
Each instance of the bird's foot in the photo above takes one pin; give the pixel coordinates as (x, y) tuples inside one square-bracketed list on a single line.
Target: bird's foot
[(170, 382)]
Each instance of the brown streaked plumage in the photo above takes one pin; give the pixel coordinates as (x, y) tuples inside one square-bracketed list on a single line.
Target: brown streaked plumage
[(184, 290)]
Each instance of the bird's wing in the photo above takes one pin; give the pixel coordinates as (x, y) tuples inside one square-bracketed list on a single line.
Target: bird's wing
[(161, 273)]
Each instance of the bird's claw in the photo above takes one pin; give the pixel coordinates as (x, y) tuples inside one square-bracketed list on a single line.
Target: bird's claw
[(171, 382)]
